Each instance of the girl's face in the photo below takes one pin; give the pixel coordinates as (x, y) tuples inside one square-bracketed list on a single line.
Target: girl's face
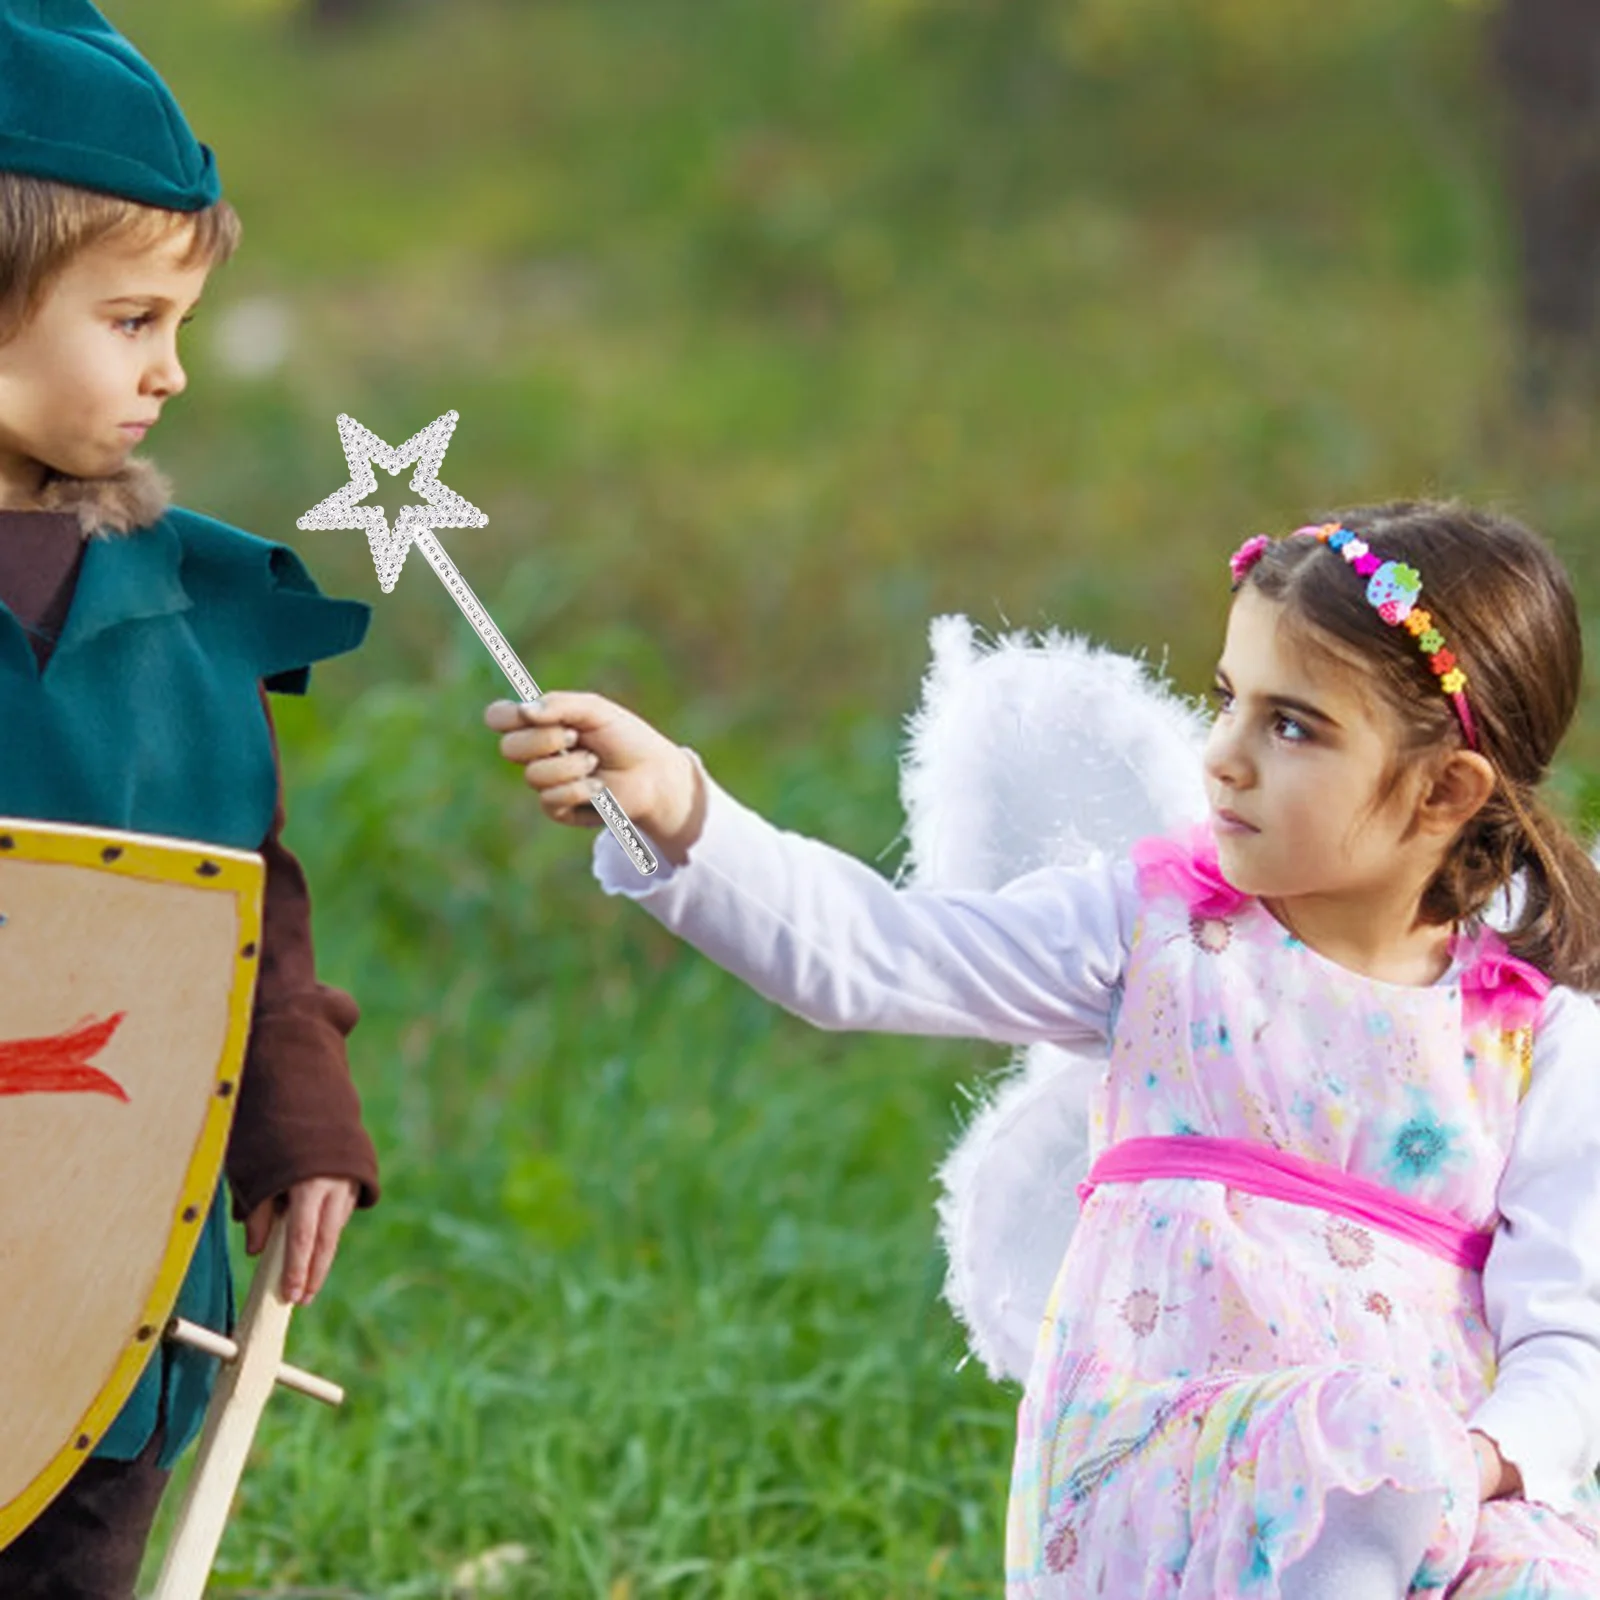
[(89, 373), (1294, 765)]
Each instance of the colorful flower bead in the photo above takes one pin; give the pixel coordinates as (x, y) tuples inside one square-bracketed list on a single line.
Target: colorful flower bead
[(1246, 556), (1393, 589)]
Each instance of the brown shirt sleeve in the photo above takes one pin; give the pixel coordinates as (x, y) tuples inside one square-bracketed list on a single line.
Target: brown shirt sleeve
[(299, 1116)]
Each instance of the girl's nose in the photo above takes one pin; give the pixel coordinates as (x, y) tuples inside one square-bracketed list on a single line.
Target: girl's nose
[(1225, 757)]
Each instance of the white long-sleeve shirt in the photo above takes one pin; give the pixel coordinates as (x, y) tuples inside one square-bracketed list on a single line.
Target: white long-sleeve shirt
[(828, 938)]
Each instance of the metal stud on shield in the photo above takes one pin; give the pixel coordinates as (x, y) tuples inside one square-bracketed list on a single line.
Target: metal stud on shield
[(414, 525)]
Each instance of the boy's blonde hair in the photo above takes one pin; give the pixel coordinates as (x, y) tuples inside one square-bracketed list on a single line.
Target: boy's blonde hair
[(44, 224)]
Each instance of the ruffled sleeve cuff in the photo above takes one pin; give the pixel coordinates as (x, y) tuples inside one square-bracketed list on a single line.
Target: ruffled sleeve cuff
[(1546, 1446), (719, 841)]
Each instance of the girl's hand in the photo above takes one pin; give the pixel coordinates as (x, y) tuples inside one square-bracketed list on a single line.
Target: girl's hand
[(1497, 1477), (571, 745), (315, 1213)]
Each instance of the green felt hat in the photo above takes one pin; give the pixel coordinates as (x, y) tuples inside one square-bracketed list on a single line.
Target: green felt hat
[(80, 105)]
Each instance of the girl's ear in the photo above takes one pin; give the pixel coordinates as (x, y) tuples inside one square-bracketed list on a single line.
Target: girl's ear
[(1460, 788)]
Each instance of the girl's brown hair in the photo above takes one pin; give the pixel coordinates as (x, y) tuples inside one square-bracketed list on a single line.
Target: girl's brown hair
[(1506, 609), (43, 225)]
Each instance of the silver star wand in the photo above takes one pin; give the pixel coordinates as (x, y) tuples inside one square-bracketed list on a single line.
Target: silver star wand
[(414, 525)]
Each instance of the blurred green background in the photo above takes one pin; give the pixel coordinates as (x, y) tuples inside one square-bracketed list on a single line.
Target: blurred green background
[(775, 330)]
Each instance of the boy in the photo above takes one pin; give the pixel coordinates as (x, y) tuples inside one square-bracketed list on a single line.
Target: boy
[(137, 643)]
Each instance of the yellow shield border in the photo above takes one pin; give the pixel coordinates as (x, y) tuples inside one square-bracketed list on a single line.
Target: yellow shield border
[(241, 873)]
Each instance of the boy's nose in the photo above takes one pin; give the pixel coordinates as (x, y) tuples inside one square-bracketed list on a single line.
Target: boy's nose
[(166, 377)]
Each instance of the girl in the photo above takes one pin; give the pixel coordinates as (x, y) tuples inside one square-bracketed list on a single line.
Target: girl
[(1329, 1325)]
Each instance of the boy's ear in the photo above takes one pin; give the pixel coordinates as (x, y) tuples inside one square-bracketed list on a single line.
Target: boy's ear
[(1462, 784)]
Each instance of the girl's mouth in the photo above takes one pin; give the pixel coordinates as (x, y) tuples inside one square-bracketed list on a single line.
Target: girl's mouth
[(1229, 822)]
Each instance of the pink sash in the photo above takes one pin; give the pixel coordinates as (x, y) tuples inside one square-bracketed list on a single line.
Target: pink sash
[(1276, 1175)]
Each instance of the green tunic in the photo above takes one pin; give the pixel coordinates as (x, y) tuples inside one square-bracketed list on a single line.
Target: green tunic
[(147, 716)]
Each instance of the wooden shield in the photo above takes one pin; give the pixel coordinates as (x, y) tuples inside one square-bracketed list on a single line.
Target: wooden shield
[(127, 974)]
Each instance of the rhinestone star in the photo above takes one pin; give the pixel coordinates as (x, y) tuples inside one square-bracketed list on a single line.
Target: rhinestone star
[(444, 508)]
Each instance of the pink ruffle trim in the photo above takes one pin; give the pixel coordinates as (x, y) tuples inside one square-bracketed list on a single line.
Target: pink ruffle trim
[(1502, 986), (1185, 865), (1497, 984)]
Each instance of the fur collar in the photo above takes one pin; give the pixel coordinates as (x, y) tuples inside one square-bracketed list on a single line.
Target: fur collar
[(132, 498)]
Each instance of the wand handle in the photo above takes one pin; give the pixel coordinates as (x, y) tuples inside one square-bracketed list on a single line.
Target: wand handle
[(614, 817)]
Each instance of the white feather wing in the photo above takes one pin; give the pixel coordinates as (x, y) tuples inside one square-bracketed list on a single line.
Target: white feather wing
[(1026, 753)]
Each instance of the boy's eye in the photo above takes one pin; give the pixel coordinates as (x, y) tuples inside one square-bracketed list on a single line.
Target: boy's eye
[(133, 324)]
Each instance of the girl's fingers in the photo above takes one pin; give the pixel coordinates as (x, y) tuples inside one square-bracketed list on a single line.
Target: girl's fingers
[(550, 772), (574, 707), (571, 744), (563, 802), (556, 766), (537, 744), (545, 738)]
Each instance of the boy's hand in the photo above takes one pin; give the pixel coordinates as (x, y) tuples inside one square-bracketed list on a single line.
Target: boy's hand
[(570, 745), (315, 1213)]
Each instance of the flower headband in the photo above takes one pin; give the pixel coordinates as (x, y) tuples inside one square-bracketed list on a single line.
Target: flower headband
[(1392, 591)]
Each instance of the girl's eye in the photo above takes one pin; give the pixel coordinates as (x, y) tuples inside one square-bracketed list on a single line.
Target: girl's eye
[(1290, 729)]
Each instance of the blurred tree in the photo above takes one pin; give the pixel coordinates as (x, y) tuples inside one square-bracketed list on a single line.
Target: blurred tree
[(1548, 57), (333, 13)]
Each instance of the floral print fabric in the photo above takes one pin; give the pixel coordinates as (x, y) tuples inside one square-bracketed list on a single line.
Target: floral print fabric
[(1213, 1363)]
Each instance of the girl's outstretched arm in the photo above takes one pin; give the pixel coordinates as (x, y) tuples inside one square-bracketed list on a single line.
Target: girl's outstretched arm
[(812, 928), (1541, 1284)]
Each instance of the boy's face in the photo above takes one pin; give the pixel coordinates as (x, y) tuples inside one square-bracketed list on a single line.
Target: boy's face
[(85, 378)]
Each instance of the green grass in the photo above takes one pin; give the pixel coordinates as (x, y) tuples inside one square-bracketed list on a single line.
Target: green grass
[(774, 330), (653, 1289)]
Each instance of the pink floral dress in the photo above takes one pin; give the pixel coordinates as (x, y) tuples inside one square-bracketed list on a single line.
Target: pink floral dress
[(1213, 1363)]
